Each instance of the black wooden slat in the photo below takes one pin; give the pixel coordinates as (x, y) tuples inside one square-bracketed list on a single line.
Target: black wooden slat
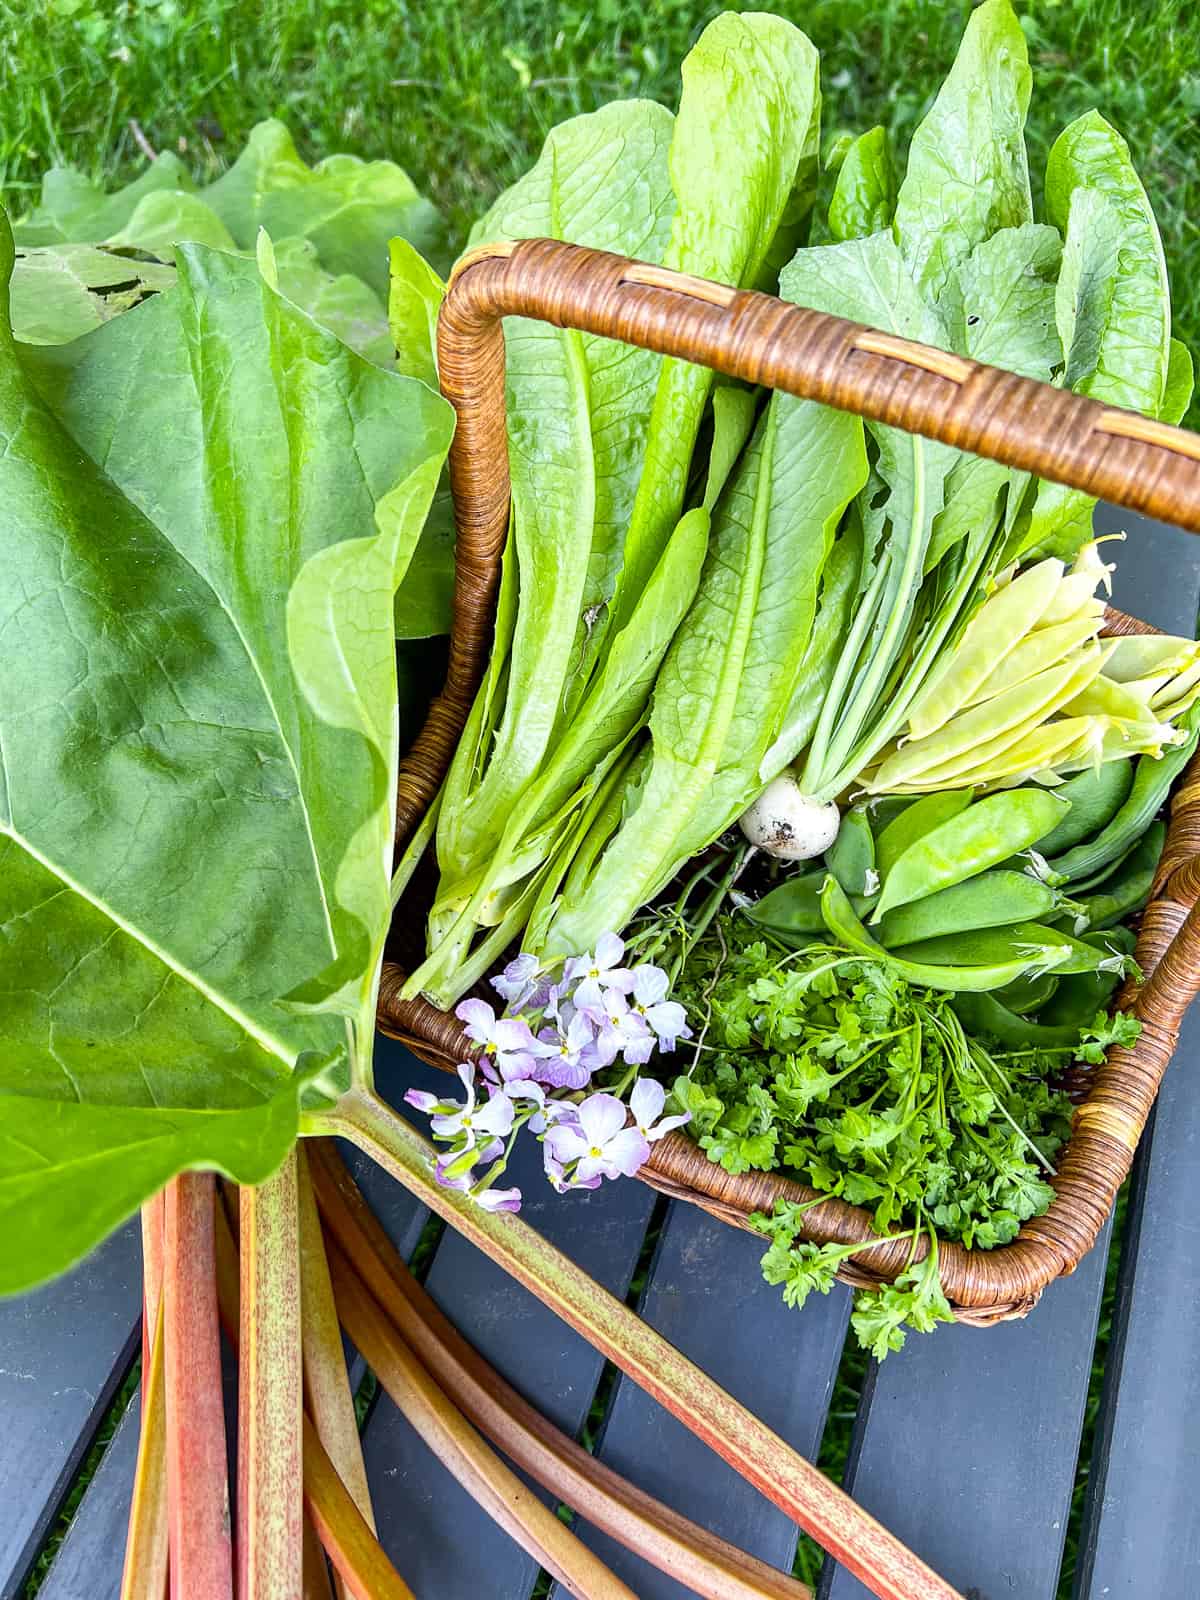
[(1141, 1532), (967, 1441), (440, 1541), (64, 1351), (1158, 570), (90, 1558), (706, 1295)]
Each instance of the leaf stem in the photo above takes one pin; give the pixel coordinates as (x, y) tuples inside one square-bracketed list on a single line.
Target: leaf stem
[(327, 1396), (706, 1565), (201, 1555), (270, 1511), (145, 1573), (352, 1547), (795, 1485)]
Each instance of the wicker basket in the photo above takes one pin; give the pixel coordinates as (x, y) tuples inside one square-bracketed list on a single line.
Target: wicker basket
[(1116, 455)]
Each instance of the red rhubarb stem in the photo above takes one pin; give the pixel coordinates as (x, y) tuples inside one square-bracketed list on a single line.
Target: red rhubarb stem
[(270, 1545), (197, 1475), (841, 1527)]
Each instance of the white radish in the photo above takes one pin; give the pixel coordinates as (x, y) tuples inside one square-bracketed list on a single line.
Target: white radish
[(787, 823)]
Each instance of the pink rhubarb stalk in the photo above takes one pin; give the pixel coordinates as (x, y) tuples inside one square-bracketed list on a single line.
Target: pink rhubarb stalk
[(270, 1545), (197, 1475), (841, 1527)]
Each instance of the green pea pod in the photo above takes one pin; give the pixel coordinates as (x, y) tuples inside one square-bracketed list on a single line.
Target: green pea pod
[(883, 809), (848, 930), (1151, 784), (1096, 796), (851, 856), (1040, 945), (793, 907), (1079, 996), (986, 833), (918, 818), (984, 1016), (1128, 888), (987, 901), (1028, 995)]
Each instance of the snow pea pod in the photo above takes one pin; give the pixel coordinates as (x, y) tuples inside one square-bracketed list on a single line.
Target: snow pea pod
[(1041, 946), (986, 833), (848, 930), (986, 1017), (1151, 784), (851, 856), (987, 901), (1028, 995), (1079, 996), (918, 818), (1096, 796), (792, 911), (1127, 889)]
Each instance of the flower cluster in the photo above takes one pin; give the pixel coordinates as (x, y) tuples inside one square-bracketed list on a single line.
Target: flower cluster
[(562, 1059)]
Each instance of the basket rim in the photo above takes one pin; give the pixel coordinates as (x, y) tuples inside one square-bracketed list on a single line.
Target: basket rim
[(1119, 456)]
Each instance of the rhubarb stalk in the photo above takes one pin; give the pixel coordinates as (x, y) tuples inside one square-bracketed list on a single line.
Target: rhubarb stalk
[(327, 1396), (145, 1574), (353, 1548), (201, 1552), (841, 1527), (270, 1504), (703, 1563)]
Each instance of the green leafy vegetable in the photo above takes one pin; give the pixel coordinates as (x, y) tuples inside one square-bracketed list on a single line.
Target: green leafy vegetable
[(198, 735)]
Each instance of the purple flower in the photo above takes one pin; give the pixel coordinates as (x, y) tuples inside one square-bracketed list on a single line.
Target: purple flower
[(558, 1177), (493, 1119), (619, 1028), (505, 1043), (646, 1103), (598, 1141), (567, 1059), (517, 982), (598, 970), (666, 1017), (498, 1199)]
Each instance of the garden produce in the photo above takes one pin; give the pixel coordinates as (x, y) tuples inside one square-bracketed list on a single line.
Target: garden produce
[(220, 503)]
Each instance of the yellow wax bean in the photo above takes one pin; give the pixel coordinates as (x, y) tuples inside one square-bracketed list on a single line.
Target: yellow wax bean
[(996, 627)]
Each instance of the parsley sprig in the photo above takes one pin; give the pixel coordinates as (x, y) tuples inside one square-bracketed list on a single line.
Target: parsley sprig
[(832, 1067)]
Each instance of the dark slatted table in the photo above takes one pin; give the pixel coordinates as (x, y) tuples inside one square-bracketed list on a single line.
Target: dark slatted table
[(967, 1443)]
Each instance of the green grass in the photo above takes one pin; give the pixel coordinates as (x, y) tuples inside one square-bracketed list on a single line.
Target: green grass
[(462, 94)]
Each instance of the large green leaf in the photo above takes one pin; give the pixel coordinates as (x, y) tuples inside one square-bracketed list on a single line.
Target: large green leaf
[(347, 207), (196, 783), (59, 292), (1113, 305), (75, 210), (578, 412), (726, 684), (744, 146), (968, 174)]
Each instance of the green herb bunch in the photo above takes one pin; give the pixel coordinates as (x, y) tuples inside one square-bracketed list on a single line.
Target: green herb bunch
[(832, 1066)]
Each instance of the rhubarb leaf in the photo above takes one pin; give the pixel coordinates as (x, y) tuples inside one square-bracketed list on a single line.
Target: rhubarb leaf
[(188, 839), (60, 292)]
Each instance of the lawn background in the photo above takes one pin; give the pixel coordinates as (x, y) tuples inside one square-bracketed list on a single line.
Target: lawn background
[(462, 92)]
